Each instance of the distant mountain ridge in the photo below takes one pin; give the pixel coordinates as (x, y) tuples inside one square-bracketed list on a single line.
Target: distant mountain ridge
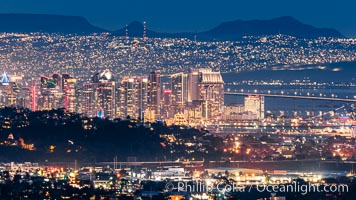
[(232, 30), (281, 25), (26, 23)]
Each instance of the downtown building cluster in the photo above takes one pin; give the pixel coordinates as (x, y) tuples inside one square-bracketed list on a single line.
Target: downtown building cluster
[(182, 98)]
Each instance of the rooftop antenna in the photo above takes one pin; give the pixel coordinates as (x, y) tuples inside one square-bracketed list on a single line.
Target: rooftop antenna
[(127, 32), (195, 51), (144, 31)]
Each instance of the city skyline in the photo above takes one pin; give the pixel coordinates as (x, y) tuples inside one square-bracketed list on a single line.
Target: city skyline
[(198, 16), (248, 110)]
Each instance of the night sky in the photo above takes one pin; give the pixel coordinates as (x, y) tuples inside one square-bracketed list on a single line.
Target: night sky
[(193, 15)]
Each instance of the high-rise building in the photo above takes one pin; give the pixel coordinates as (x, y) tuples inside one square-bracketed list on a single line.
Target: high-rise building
[(64, 82), (132, 97), (23, 99), (179, 88), (154, 95), (256, 105), (211, 93), (86, 100), (68, 88), (50, 95), (193, 79), (206, 89), (8, 91), (57, 79), (166, 104), (201, 90), (105, 94), (55, 92)]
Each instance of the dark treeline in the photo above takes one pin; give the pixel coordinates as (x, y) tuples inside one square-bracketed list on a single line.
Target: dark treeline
[(59, 136)]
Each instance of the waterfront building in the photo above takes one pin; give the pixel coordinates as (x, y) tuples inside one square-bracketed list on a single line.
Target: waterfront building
[(256, 105)]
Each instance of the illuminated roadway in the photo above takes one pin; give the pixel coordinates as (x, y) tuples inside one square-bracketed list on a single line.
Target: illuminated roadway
[(291, 96), (233, 161)]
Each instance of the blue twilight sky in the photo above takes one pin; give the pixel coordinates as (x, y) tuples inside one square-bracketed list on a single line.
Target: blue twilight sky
[(193, 15)]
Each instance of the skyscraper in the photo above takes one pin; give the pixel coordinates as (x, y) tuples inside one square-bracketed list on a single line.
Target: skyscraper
[(24, 98), (166, 104), (206, 90), (179, 85), (105, 94), (9, 91), (154, 95), (57, 79), (50, 95), (86, 100), (68, 87), (193, 78), (132, 97), (211, 93)]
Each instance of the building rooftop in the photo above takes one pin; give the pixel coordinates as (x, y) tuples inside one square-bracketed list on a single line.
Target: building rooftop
[(211, 77)]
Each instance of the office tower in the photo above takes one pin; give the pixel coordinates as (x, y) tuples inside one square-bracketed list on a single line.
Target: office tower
[(132, 97), (179, 87), (50, 95), (86, 100), (64, 82), (206, 90), (166, 104), (256, 105), (193, 78), (154, 96), (27, 96), (211, 93), (57, 79), (8, 91), (68, 88), (55, 92), (23, 99), (105, 94)]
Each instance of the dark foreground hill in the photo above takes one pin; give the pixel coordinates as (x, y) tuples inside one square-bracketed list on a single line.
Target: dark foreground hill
[(58, 136)]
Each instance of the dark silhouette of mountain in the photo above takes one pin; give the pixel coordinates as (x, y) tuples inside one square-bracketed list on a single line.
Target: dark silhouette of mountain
[(283, 25), (233, 30), (134, 29), (26, 23)]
